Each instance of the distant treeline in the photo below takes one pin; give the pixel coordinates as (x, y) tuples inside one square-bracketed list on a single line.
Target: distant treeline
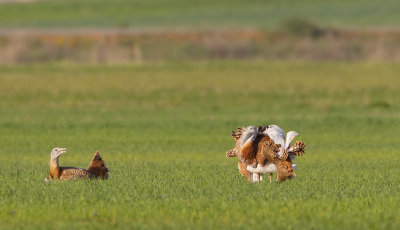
[(119, 46)]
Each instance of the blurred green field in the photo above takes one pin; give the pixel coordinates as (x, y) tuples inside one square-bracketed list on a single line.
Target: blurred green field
[(163, 130), (198, 14)]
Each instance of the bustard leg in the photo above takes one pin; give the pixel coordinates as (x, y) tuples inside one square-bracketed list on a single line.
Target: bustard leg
[(256, 177), (270, 178)]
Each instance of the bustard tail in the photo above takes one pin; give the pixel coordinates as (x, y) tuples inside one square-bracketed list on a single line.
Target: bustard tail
[(98, 168)]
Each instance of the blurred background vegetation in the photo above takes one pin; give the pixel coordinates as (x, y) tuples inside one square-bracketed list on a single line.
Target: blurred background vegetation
[(122, 31), (195, 14)]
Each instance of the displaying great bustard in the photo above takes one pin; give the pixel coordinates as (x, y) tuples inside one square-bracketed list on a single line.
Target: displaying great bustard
[(264, 149)]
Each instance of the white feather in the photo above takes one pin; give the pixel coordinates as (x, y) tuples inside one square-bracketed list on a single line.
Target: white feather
[(267, 168), (289, 137)]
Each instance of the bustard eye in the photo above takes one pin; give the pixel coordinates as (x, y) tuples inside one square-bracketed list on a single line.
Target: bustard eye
[(56, 149)]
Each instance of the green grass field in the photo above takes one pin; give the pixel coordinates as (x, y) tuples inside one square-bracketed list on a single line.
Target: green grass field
[(163, 130), (196, 14)]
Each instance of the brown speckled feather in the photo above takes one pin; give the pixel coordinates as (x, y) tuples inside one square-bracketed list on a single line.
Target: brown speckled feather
[(232, 153), (70, 173), (298, 148), (284, 170), (236, 135), (266, 150)]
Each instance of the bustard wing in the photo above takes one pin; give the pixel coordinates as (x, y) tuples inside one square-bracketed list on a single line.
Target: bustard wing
[(70, 173), (232, 153), (236, 135)]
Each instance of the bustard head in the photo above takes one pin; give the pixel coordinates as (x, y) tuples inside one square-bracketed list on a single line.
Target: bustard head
[(56, 152)]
